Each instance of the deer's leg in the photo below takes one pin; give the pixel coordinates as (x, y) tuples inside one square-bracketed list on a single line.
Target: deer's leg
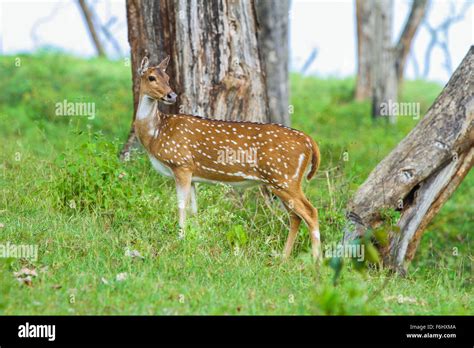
[(314, 231), (193, 197), (183, 188), (295, 222), (299, 205)]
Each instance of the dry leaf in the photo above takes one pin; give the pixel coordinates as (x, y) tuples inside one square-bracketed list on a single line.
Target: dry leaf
[(25, 272), (25, 276), (133, 254), (405, 300), (25, 280), (121, 277)]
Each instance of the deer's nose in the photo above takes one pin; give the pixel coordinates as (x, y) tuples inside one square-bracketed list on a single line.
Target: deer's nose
[(171, 96)]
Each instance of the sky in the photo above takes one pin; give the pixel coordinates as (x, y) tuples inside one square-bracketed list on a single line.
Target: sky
[(322, 25)]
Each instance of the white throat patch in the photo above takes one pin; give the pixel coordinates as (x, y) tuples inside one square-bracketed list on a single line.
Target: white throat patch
[(147, 107)]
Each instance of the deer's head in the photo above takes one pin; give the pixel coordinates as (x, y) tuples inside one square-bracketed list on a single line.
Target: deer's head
[(154, 81)]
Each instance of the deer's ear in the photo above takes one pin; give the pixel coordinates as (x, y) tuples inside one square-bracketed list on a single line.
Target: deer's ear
[(164, 63), (143, 65)]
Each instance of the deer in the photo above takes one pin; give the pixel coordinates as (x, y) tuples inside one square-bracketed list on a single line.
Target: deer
[(194, 149)]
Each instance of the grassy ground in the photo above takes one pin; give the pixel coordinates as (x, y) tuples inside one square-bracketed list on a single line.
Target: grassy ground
[(64, 190)]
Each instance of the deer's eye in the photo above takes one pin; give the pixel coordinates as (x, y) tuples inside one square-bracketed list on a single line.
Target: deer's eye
[(151, 78)]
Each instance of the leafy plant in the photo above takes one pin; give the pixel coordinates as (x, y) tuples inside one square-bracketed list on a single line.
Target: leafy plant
[(348, 299), (237, 236), (390, 216), (89, 176), (6, 280)]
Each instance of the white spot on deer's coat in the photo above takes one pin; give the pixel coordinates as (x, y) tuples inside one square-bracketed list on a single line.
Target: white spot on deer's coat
[(300, 162)]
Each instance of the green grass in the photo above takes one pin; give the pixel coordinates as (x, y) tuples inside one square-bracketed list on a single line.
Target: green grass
[(64, 190)]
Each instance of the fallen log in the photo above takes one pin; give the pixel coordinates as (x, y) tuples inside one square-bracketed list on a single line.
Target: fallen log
[(421, 173)]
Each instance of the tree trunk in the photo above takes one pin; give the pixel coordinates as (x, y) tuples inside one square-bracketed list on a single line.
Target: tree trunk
[(136, 36), (365, 31), (422, 172), (384, 86), (273, 45), (380, 65), (90, 25), (215, 65), (417, 13)]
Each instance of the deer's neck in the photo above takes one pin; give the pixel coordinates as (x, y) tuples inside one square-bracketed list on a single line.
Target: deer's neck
[(147, 107), (147, 121)]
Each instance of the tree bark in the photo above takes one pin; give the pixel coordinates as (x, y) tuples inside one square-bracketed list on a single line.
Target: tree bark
[(417, 13), (273, 45), (135, 38), (365, 30), (215, 65), (384, 84), (380, 64), (422, 172), (90, 25)]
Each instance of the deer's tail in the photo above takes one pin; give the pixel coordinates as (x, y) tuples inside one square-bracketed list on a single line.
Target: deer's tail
[(315, 159)]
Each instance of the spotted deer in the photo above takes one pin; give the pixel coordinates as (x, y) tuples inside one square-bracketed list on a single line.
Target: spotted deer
[(192, 149)]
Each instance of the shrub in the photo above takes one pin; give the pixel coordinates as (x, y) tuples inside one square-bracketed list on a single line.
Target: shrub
[(90, 176)]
